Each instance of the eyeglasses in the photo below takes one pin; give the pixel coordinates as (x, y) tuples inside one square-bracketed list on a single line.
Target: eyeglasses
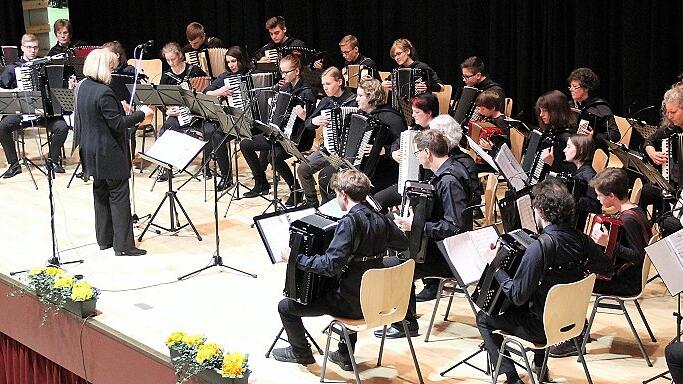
[(467, 77), (346, 52), (418, 151), (285, 73), (397, 53), (574, 87), (32, 47)]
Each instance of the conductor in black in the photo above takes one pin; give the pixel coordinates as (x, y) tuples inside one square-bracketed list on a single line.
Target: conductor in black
[(360, 241), (559, 256)]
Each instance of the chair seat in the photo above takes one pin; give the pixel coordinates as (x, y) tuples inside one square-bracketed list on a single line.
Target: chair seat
[(356, 325), (525, 343)]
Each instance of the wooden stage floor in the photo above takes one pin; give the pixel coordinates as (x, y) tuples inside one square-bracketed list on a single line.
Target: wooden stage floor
[(142, 300)]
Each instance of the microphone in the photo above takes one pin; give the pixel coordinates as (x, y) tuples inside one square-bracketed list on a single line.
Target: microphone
[(47, 59), (147, 45)]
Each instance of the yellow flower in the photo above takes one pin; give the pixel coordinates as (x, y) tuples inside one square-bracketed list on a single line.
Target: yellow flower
[(174, 338), (53, 271), (36, 271), (63, 281), (81, 291), (193, 339), (234, 364), (208, 351)]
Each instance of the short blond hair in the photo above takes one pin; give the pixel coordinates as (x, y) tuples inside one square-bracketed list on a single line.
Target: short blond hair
[(98, 65), (354, 183), (374, 91), (28, 37)]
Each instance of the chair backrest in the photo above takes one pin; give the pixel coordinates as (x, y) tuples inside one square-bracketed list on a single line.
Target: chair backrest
[(516, 143), (599, 160), (384, 294), (444, 98), (384, 75), (151, 68), (508, 107), (565, 310), (490, 198), (624, 129), (636, 190)]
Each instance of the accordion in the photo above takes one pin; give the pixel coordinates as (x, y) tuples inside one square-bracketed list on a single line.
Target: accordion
[(532, 163), (409, 166), (365, 130), (354, 73), (200, 59), (283, 117), (488, 295), (403, 81), (310, 235), (56, 77), (84, 50), (673, 146), (487, 131), (613, 225), (464, 106), (260, 107), (336, 130), (420, 197)]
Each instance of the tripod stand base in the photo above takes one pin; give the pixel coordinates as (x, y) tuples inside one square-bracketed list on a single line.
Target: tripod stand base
[(466, 361), (175, 227), (216, 261)]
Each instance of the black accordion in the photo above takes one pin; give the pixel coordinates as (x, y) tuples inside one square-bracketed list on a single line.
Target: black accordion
[(403, 88), (284, 118), (671, 170), (310, 235), (532, 163), (464, 106), (488, 295), (420, 197)]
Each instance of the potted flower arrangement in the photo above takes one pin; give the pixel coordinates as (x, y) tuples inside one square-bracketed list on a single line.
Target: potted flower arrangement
[(193, 355), (56, 288)]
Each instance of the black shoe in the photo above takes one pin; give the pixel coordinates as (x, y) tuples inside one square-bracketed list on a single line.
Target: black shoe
[(13, 170), (294, 195), (396, 332), (341, 359), (207, 173), (106, 246), (58, 168), (537, 371), (130, 252), (288, 355), (564, 349), (310, 204), (428, 293), (225, 183), (259, 189)]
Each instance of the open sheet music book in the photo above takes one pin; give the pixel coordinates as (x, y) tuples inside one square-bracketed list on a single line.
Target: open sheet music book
[(526, 213), (466, 252), (175, 148), (667, 256), (510, 168), (482, 153)]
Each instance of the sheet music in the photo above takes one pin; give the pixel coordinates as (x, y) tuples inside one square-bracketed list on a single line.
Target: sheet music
[(274, 230), (526, 213), (510, 168), (667, 257), (466, 252), (482, 153), (175, 148)]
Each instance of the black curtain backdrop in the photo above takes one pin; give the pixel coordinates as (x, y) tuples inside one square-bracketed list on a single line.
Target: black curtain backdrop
[(530, 47), (11, 22)]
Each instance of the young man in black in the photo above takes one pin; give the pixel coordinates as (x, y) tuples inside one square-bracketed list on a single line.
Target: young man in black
[(568, 251), (350, 50), (277, 30), (474, 75), (197, 40), (452, 187), (56, 126), (360, 241), (337, 96)]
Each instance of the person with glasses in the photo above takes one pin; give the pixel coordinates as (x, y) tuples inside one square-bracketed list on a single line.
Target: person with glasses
[(474, 75), (56, 126), (583, 84), (63, 31), (197, 40), (350, 50), (451, 183), (405, 55), (292, 83)]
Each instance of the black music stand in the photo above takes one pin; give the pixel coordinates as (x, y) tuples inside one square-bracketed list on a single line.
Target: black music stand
[(635, 163), (174, 149)]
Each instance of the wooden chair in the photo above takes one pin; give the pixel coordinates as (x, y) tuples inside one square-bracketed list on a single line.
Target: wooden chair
[(617, 302), (490, 199), (151, 68), (636, 190), (384, 295), (599, 160), (516, 143), (624, 129), (444, 98), (563, 319), (508, 107)]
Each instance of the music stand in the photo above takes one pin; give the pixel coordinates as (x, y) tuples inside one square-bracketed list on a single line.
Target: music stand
[(146, 94), (666, 254), (635, 163), (173, 149)]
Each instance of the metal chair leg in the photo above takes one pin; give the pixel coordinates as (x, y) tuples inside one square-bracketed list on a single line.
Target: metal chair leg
[(590, 324), (501, 356), (635, 334), (381, 346), (544, 367), (647, 325), (583, 361), (349, 347), (412, 351), (436, 308), (327, 350)]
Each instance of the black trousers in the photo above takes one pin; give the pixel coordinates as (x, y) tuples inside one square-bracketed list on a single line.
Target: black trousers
[(517, 321), (113, 220), (260, 143), (56, 127), (434, 266), (388, 197), (674, 359), (291, 313)]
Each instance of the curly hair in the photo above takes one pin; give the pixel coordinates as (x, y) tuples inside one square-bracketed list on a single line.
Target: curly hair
[(553, 201), (586, 78), (373, 89)]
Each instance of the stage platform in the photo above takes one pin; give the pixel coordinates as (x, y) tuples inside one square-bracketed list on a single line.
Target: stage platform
[(142, 302)]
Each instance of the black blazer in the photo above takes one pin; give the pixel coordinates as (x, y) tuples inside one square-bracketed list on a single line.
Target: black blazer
[(101, 126)]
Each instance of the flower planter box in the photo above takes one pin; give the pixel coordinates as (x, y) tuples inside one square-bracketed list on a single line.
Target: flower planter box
[(82, 309), (210, 376)]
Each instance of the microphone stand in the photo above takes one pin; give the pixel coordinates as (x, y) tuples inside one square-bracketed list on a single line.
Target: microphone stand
[(216, 260), (131, 135)]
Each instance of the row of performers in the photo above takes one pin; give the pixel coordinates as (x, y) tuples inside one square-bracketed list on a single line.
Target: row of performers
[(362, 238)]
